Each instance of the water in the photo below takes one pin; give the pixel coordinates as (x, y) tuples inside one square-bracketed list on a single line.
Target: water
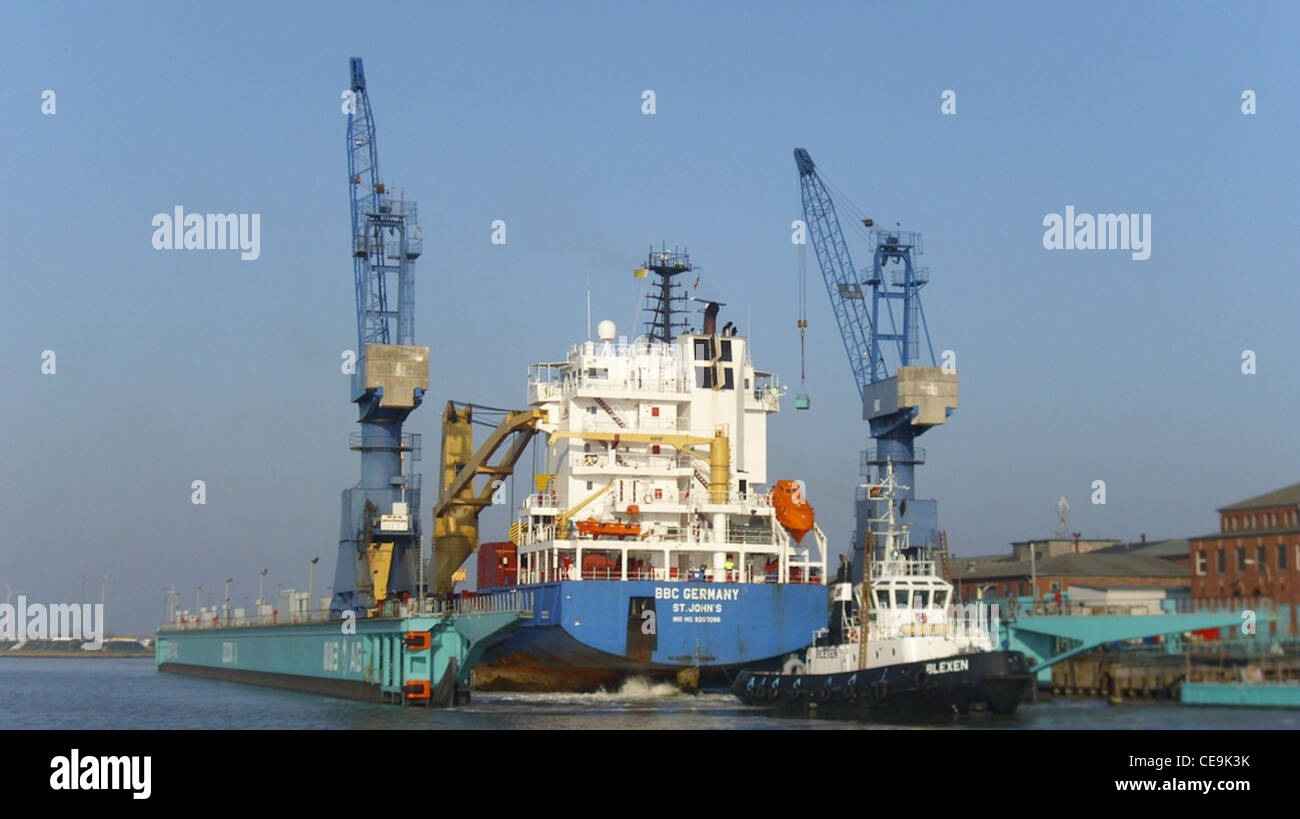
[(90, 694)]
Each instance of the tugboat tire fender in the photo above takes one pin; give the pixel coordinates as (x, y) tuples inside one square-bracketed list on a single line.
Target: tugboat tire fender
[(828, 690)]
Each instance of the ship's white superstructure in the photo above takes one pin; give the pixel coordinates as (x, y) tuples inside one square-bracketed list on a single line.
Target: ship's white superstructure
[(911, 615), (655, 467)]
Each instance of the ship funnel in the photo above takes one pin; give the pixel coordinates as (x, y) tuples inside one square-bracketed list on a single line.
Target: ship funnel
[(711, 319)]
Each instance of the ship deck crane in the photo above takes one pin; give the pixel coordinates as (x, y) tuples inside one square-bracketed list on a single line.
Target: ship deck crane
[(900, 400), (460, 501)]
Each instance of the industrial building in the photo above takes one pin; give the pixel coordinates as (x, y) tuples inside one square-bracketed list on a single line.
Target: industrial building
[(1253, 555), (1102, 571)]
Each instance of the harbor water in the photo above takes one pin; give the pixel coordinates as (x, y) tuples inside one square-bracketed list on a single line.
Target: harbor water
[(100, 694)]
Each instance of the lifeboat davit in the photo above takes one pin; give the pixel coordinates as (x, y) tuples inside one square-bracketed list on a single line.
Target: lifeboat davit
[(603, 528), (792, 509)]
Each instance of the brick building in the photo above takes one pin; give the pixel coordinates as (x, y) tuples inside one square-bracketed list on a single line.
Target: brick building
[(1000, 577), (1254, 554)]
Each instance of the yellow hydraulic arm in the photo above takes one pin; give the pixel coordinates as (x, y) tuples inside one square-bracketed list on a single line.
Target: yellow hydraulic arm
[(562, 519), (719, 456), (455, 517)]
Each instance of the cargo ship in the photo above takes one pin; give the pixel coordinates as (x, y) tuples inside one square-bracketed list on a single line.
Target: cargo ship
[(652, 544), (381, 636), (896, 642)]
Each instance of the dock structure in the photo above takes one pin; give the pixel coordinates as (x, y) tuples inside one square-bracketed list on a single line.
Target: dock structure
[(422, 657), (1050, 638)]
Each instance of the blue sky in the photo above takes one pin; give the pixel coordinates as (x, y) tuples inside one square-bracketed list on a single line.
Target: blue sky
[(1074, 366)]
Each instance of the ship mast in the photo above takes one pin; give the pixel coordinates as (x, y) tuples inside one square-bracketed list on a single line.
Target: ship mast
[(666, 302), (883, 492)]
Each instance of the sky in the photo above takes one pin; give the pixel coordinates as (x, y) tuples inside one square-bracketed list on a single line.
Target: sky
[(1074, 365)]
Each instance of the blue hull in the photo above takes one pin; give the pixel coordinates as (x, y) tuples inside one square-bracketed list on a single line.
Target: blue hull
[(591, 634)]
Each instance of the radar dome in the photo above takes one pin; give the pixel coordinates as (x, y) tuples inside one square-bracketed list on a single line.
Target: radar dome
[(606, 330)]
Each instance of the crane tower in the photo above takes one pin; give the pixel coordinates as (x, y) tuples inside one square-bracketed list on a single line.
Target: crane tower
[(379, 534), (882, 336)]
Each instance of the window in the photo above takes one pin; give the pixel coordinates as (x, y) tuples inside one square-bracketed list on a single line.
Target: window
[(1241, 560), (703, 378), (591, 410), (1222, 560), (726, 350), (1260, 559), (1200, 563), (900, 598), (586, 447), (1281, 558), (702, 349), (921, 600), (941, 598), (1054, 587), (729, 379), (588, 484)]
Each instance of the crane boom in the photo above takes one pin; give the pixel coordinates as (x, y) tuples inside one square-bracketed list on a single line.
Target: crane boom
[(899, 403), (842, 285)]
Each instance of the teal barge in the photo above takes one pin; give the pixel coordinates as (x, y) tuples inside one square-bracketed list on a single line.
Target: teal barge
[(420, 659), (1260, 695)]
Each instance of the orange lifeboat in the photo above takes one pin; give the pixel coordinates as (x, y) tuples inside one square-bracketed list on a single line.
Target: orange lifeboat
[(792, 509), (602, 528)]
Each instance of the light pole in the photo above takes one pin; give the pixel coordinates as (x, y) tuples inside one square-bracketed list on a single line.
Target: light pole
[(198, 591), (261, 591), (229, 580), (311, 567), (1033, 576)]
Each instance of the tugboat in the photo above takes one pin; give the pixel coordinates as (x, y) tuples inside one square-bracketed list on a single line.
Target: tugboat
[(918, 651)]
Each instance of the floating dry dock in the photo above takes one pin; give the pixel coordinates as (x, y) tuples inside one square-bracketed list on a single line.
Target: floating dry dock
[(1263, 695), (423, 658)]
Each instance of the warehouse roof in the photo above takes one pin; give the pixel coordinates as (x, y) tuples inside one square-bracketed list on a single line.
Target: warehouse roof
[(1093, 564), (1174, 547), (1286, 496)]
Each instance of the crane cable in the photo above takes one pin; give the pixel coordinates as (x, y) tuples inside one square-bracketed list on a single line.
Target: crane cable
[(803, 304)]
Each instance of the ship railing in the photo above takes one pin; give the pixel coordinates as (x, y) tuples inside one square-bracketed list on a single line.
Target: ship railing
[(488, 603), (750, 537), (191, 622), (544, 500), (607, 424), (903, 568), (601, 460)]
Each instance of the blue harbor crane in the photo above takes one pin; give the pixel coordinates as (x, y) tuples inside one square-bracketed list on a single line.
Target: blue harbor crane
[(380, 560), (900, 400)]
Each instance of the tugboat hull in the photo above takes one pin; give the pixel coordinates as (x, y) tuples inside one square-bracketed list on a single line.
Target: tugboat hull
[(994, 681)]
